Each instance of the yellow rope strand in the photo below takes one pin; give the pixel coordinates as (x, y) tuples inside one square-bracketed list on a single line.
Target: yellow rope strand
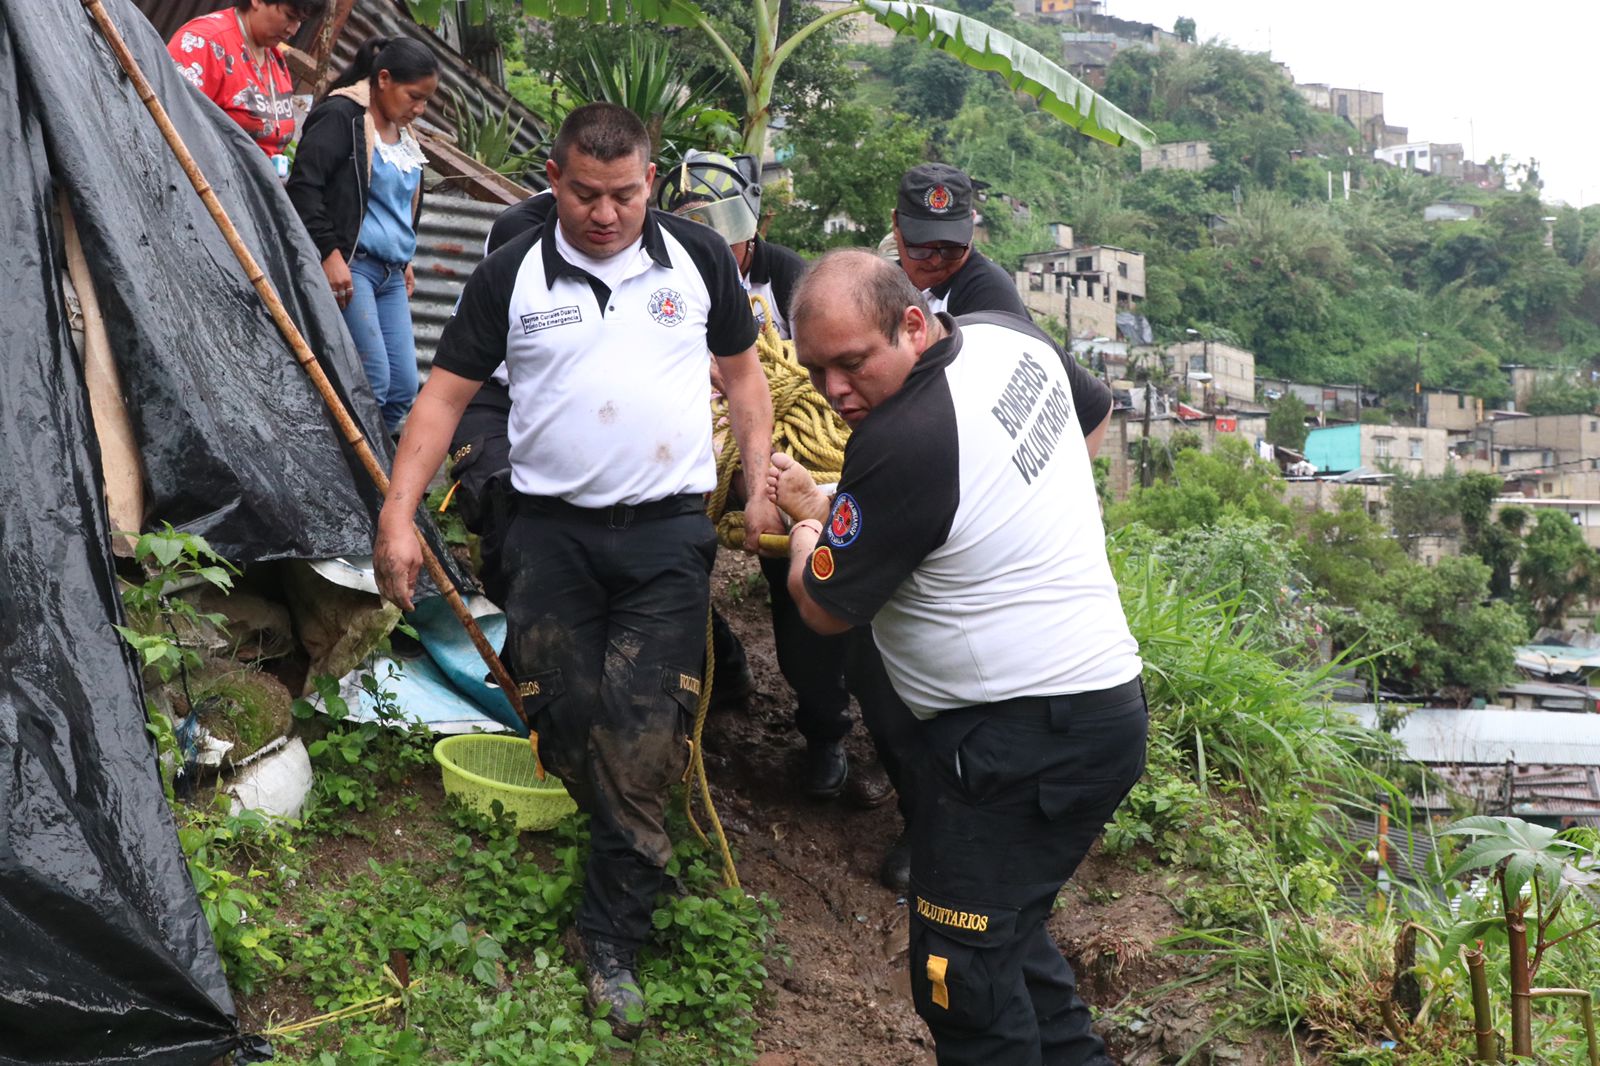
[(804, 426)]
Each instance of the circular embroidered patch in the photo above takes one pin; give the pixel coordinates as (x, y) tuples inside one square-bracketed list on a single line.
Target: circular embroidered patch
[(937, 199), (666, 306), (822, 563), (844, 525)]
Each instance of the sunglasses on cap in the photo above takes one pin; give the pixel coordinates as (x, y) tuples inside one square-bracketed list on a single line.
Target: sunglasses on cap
[(949, 252)]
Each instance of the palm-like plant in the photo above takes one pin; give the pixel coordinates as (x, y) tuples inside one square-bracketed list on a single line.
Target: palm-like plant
[(973, 42), (647, 80)]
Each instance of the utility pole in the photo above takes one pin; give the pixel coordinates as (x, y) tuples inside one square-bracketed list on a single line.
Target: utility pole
[(1144, 444), (1421, 416)]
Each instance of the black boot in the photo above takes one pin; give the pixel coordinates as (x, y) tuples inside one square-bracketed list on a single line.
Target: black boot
[(827, 768), (612, 989), (895, 870)]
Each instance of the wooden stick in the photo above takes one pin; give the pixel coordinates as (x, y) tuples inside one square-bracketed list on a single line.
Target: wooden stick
[(297, 343), (121, 466)]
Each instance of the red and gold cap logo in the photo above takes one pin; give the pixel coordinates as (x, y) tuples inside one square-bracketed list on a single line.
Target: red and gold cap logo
[(937, 199)]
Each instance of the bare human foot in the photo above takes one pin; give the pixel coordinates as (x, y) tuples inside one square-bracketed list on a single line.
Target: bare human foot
[(789, 485)]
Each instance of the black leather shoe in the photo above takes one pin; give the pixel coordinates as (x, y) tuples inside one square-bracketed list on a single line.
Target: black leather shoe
[(612, 990), (732, 685), (895, 870), (827, 768)]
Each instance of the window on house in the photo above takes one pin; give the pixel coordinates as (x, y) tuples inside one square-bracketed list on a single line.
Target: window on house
[(1549, 488), (1461, 401), (1594, 426), (1416, 448), (1163, 155), (1505, 457), (1381, 446), (1122, 270), (1547, 457), (1193, 150), (1085, 263)]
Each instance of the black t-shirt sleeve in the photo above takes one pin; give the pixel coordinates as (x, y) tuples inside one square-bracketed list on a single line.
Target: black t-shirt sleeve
[(518, 219), (985, 287), (474, 340), (730, 327), (1091, 397), (786, 268), (897, 499)]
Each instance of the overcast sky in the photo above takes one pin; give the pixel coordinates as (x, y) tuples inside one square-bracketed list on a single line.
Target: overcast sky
[(1512, 78)]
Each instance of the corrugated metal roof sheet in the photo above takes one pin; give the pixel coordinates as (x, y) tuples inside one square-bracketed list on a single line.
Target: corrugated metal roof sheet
[(485, 99), (450, 240), (1446, 737)]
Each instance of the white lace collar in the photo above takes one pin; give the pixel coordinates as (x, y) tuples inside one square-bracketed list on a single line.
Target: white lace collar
[(405, 155)]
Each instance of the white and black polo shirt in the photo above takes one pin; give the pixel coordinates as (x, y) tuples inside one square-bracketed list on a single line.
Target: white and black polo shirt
[(610, 398), (967, 531)]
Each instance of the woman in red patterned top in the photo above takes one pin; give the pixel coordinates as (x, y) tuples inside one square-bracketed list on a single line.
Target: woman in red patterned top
[(232, 57)]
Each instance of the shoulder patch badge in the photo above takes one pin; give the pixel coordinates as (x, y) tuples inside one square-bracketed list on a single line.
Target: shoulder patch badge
[(822, 563), (666, 307), (844, 525)]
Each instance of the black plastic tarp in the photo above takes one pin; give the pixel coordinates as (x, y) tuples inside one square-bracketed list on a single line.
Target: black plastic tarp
[(105, 956), (236, 444)]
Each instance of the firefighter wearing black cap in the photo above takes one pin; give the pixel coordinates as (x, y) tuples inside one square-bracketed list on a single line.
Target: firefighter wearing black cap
[(933, 222), (978, 557)]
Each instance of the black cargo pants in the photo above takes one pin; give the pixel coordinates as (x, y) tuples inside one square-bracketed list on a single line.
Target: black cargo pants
[(606, 616), (812, 663), (1010, 797)]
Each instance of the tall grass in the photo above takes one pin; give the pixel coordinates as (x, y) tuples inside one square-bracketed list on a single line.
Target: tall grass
[(1253, 775)]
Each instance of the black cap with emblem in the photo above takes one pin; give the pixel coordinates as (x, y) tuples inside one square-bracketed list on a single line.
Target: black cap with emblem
[(935, 204)]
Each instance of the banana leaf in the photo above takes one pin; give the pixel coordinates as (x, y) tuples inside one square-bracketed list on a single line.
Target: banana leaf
[(983, 47)]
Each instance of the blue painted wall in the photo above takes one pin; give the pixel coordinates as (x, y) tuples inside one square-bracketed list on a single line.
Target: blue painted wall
[(1335, 449)]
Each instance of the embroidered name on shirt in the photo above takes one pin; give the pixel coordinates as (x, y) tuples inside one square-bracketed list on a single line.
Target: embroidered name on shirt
[(561, 316)]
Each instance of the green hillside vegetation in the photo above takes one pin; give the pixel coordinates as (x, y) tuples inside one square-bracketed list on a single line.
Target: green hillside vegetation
[(1250, 250)]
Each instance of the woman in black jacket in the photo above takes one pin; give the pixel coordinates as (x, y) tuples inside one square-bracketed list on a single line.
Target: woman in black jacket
[(357, 185)]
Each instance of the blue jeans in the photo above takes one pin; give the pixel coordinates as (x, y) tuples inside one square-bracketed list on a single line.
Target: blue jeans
[(379, 320)]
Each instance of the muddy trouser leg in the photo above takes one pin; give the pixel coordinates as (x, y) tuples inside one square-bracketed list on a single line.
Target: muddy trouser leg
[(1011, 796), (616, 696), (812, 663), (894, 729)]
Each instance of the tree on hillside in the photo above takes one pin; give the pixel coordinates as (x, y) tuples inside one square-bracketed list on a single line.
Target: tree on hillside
[(1558, 568), (1185, 29), (1286, 425), (1205, 487), (847, 161), (1347, 551), (1430, 630)]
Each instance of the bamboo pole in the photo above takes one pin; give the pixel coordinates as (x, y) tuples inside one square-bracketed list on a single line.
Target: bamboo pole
[(297, 343), (1482, 1012), (1521, 975), (1585, 1000)]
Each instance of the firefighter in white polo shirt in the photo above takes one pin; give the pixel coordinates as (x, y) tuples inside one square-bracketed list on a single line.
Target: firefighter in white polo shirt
[(967, 533), (602, 316)]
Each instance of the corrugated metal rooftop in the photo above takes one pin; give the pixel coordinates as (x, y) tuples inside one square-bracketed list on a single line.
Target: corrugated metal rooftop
[(1450, 737)]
